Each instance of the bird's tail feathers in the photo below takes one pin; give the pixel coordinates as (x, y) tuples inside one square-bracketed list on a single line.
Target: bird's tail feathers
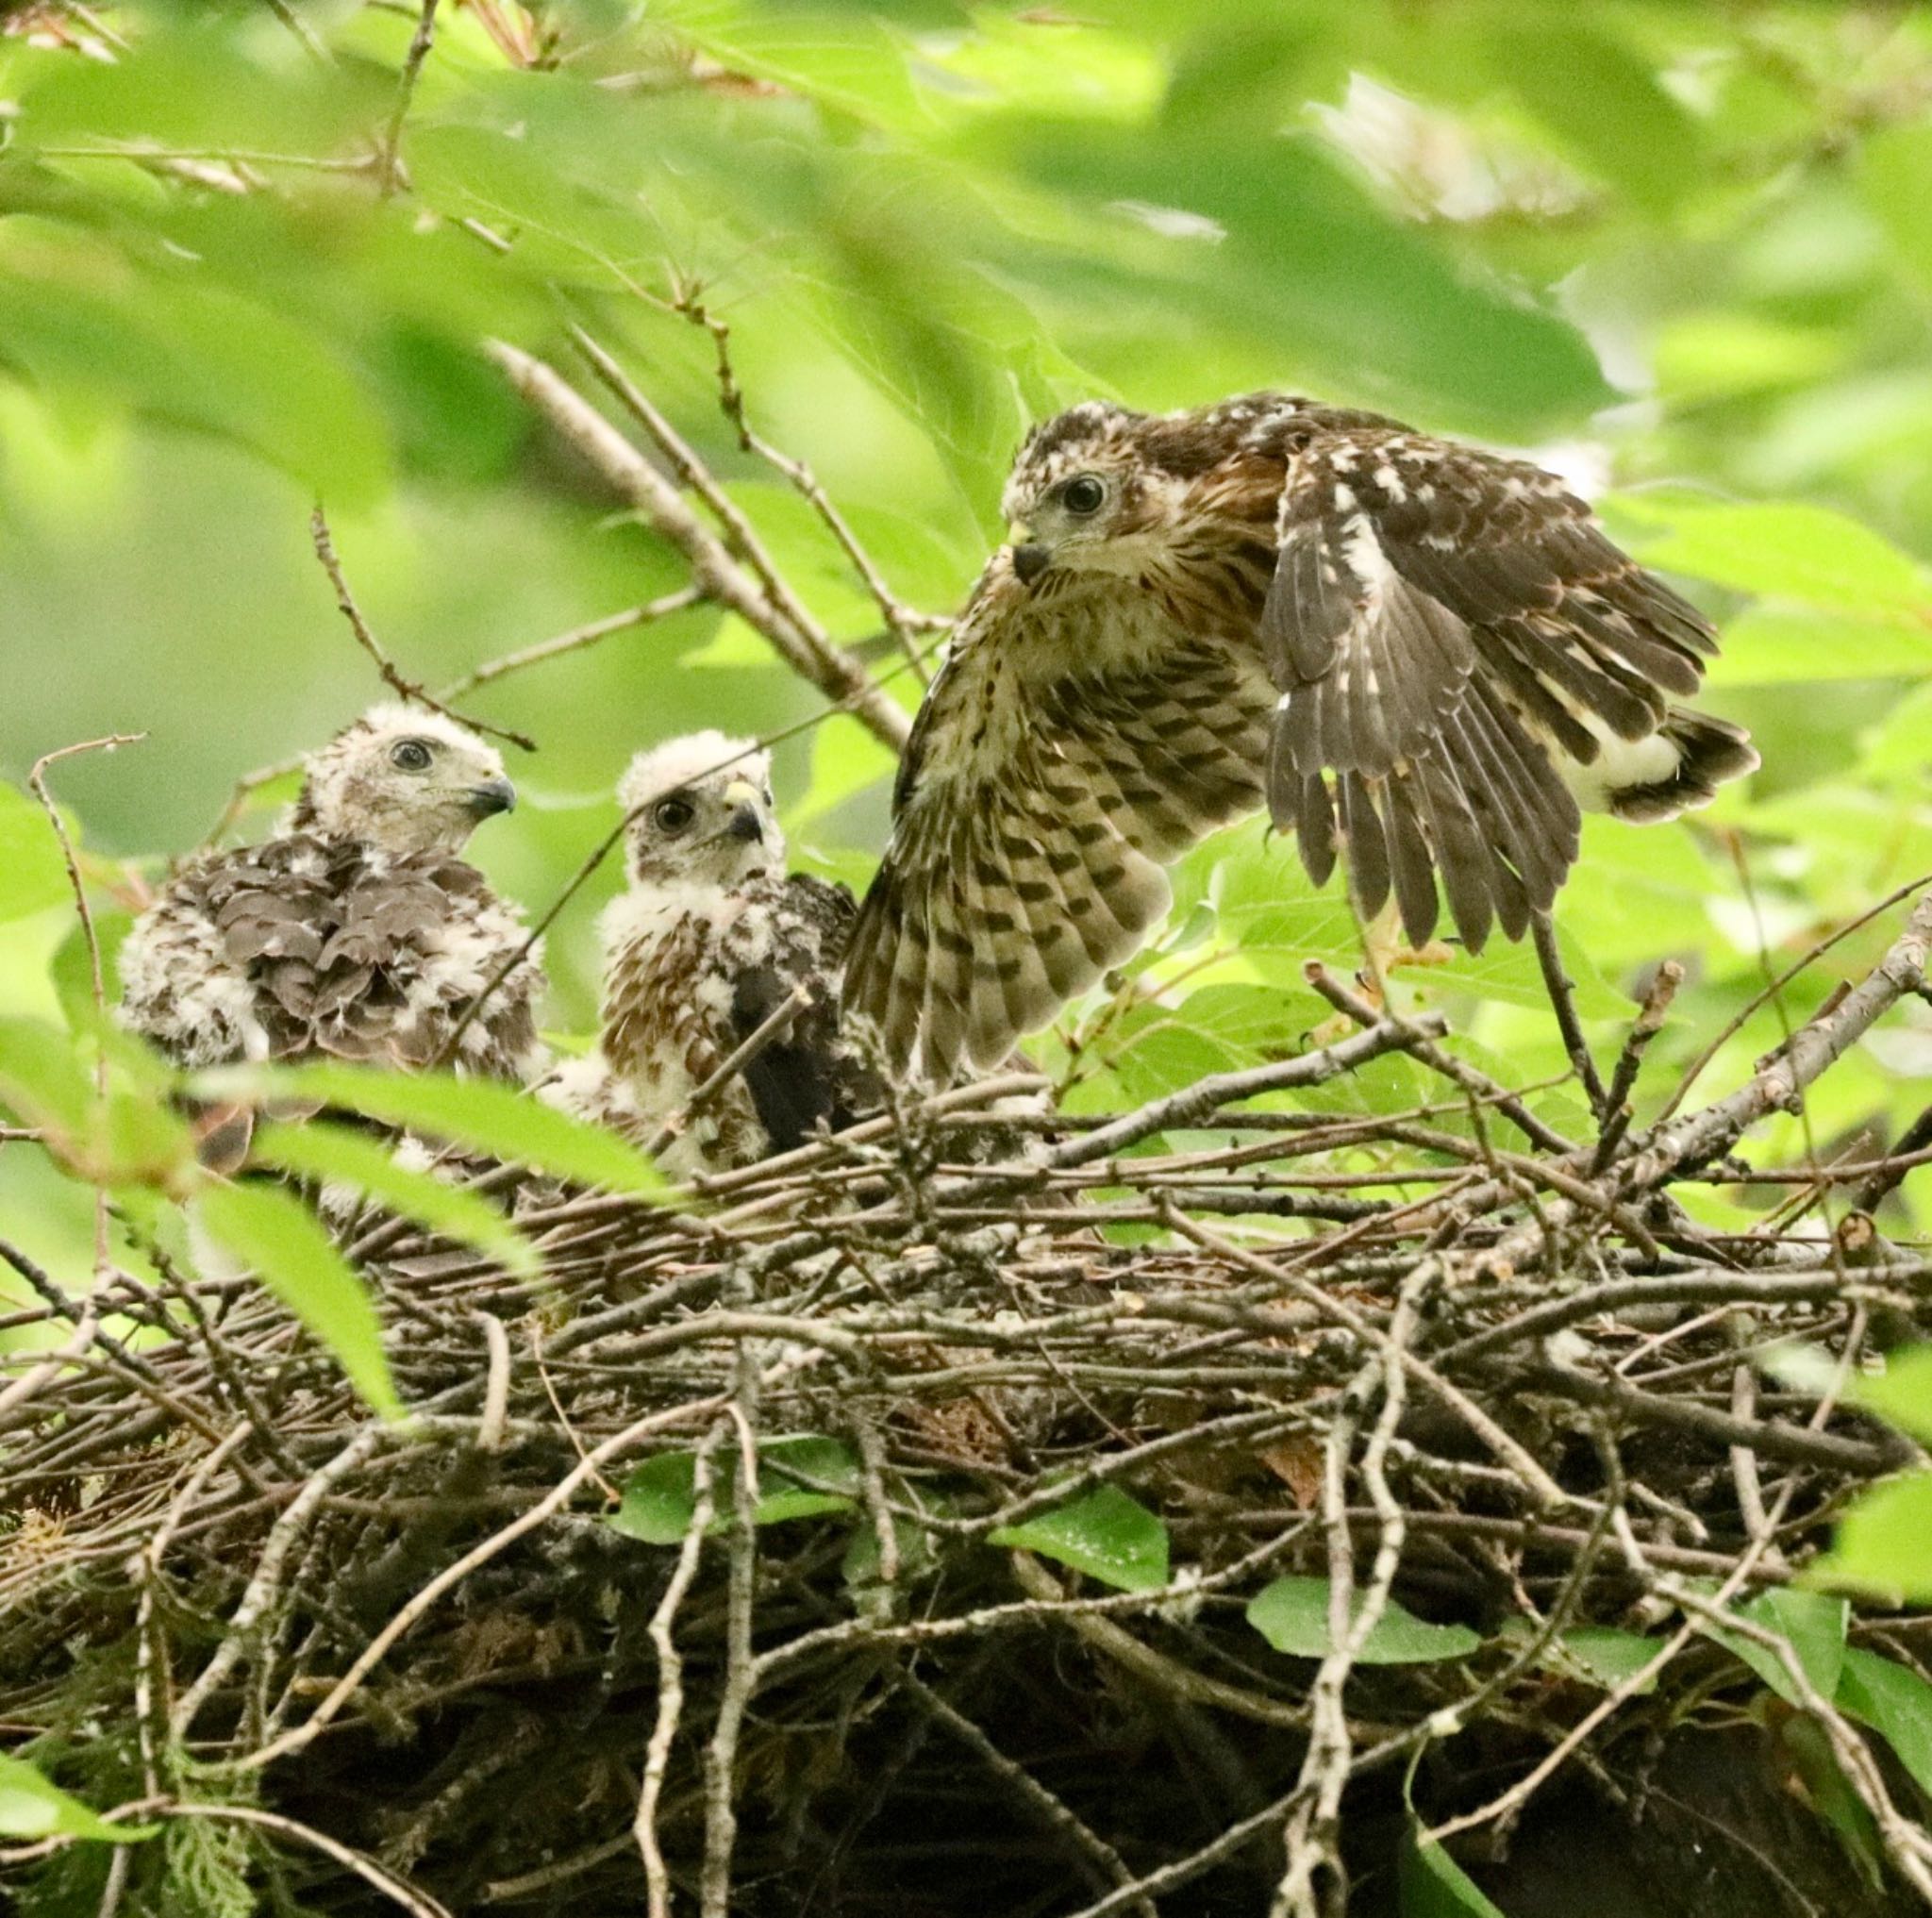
[(1710, 752)]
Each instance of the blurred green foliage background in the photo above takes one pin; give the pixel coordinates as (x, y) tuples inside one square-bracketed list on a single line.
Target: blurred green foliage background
[(1682, 252)]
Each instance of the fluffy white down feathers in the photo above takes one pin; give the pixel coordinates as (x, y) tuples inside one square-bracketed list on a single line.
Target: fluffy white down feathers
[(712, 944)]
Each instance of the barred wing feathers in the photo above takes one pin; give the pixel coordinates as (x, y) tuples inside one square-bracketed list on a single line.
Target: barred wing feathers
[(1462, 653), (1028, 840)]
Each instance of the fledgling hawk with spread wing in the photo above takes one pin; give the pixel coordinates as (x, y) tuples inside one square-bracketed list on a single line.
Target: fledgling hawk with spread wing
[(356, 932), (711, 938), (1425, 654)]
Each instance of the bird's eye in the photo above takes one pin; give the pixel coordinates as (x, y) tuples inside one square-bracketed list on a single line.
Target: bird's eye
[(412, 755), (1083, 495), (672, 815)]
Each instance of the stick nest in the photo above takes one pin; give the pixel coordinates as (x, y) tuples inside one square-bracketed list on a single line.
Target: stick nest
[(548, 1647)]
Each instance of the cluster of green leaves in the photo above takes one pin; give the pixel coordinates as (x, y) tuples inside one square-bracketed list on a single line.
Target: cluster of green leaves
[(111, 1117), (1883, 1547), (925, 222)]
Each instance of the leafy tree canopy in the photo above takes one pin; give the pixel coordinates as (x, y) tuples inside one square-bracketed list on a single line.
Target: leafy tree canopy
[(250, 255)]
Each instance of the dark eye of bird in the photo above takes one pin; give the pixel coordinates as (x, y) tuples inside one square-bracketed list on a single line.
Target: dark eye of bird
[(1083, 495), (412, 755), (672, 815)]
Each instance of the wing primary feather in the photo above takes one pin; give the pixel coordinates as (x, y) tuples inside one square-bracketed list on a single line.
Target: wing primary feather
[(1368, 854), (1314, 824), (1528, 815), (1546, 813), (945, 1001), (1468, 788), (1474, 874), (1377, 697), (1409, 860), (1569, 674), (1627, 651)]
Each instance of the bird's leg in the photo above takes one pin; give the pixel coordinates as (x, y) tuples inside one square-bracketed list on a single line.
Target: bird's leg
[(1384, 948)]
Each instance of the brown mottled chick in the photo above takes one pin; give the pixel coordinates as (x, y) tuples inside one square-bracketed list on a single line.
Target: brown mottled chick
[(710, 939), (356, 931)]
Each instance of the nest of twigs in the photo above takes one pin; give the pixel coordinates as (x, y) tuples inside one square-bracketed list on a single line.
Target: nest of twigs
[(1492, 1378)]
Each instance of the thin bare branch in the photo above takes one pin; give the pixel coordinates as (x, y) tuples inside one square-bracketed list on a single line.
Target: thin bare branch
[(715, 571), (410, 690)]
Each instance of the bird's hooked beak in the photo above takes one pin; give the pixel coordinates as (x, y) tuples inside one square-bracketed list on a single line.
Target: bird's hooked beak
[(493, 795), (747, 822), (1030, 558)]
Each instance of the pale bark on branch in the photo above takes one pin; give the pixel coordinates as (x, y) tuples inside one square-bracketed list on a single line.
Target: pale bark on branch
[(720, 578)]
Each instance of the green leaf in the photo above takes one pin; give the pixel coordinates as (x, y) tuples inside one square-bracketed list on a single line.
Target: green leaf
[(1623, 126), (853, 64), (142, 1142), (1901, 1395), (1811, 1623), (479, 1114), (1714, 354), (660, 1495), (1293, 1615), (1147, 1051), (1782, 550), (188, 88), (1895, 171), (1895, 748), (43, 1080), (1883, 1545), (274, 1234), (845, 759), (1105, 1534), (191, 352), (72, 971), (1895, 1702), (1595, 1655), (33, 875), (33, 1807), (1432, 1885), (1509, 972), (860, 1568), (129, 1138), (1609, 1657), (1832, 1795), (509, 181), (1767, 645), (323, 1152), (1367, 289)]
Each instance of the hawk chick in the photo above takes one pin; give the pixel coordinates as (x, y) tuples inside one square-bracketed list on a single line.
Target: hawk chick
[(356, 932), (1429, 656), (709, 940)]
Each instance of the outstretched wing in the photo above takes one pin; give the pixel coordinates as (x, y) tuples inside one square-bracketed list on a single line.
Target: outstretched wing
[(1446, 627), (1033, 815)]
